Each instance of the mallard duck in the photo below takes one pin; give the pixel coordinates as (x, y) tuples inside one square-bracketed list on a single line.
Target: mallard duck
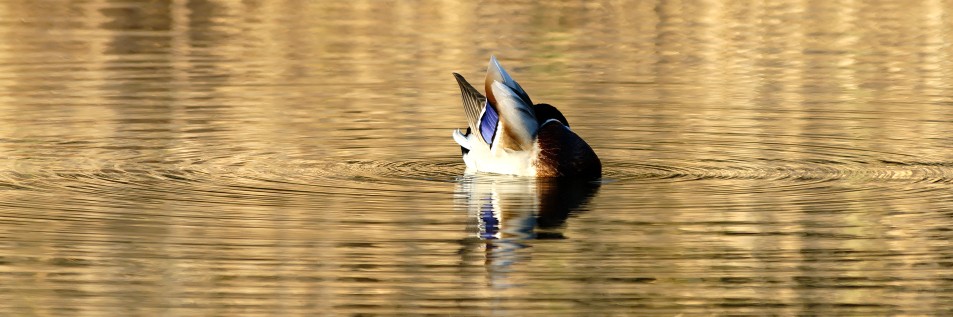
[(509, 134)]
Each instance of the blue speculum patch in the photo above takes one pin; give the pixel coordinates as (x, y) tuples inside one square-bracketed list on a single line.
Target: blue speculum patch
[(488, 123)]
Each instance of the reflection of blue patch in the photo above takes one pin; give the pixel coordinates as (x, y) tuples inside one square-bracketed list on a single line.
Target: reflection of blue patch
[(488, 123), (491, 225)]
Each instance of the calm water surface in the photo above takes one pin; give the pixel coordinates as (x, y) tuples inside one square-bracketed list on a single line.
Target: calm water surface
[(293, 158)]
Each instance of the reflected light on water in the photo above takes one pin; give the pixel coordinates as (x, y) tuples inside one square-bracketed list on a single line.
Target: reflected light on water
[(204, 157)]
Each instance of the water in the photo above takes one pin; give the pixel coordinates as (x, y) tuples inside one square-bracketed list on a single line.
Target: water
[(276, 158)]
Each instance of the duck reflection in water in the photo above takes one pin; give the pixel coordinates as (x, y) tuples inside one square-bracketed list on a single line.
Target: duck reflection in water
[(505, 211)]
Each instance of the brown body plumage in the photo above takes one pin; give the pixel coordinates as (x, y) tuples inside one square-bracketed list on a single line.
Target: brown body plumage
[(564, 154)]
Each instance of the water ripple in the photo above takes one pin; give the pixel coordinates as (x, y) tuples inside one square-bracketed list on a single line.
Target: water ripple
[(306, 177)]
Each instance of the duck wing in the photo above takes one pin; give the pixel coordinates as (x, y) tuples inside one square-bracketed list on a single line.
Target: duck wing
[(496, 73), (518, 123), (482, 118)]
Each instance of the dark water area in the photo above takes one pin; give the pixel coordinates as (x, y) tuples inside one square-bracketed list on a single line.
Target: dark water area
[(294, 158)]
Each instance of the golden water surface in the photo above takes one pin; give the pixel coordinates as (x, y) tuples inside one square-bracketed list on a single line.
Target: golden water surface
[(294, 158)]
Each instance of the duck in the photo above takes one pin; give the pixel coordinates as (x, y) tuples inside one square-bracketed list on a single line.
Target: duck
[(508, 134)]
